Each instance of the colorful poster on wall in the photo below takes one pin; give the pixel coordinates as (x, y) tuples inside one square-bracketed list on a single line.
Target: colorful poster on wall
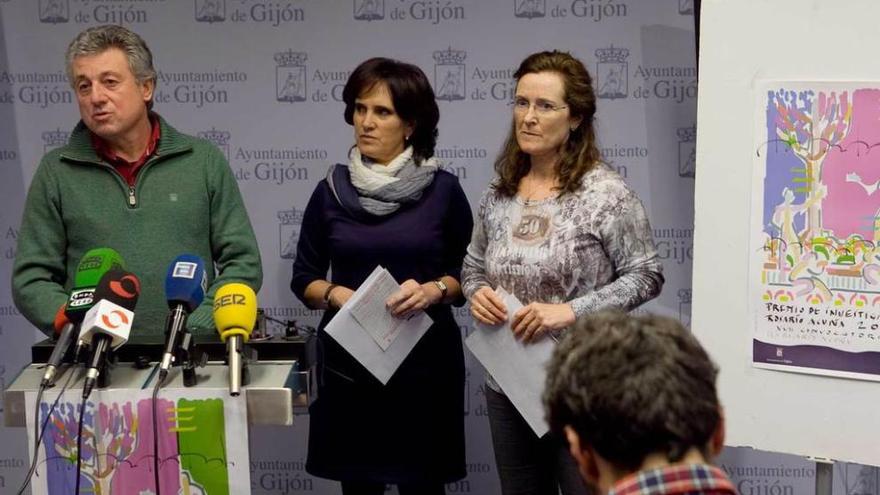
[(202, 439), (815, 242)]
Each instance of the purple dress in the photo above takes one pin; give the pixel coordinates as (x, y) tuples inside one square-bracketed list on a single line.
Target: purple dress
[(412, 429)]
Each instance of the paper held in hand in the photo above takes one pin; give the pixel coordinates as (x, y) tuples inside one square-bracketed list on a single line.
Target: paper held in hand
[(367, 306), (520, 369), (365, 328)]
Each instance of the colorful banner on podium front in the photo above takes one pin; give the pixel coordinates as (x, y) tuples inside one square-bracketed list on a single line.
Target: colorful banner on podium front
[(202, 443)]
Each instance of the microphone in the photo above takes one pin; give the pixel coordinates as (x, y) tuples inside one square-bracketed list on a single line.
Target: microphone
[(185, 287), (61, 321), (64, 333), (108, 323), (235, 312), (91, 267)]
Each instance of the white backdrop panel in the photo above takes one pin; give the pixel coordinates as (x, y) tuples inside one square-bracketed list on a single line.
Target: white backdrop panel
[(745, 41)]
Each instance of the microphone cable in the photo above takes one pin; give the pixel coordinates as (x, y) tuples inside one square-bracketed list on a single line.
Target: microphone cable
[(159, 380), (79, 429), (40, 430)]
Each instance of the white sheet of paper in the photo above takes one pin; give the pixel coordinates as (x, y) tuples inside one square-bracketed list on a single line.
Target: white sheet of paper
[(368, 307), (346, 330), (520, 369)]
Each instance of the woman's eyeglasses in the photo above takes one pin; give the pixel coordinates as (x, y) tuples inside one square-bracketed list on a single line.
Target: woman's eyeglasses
[(542, 107)]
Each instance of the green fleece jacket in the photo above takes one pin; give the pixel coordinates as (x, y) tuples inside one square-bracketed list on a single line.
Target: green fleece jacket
[(185, 200)]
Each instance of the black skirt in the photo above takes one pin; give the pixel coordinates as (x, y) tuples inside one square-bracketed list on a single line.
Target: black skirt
[(409, 430)]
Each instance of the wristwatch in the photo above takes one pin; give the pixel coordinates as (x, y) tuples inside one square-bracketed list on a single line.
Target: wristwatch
[(443, 288)]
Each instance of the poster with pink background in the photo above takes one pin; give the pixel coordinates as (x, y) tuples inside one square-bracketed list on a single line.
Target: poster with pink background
[(815, 257)]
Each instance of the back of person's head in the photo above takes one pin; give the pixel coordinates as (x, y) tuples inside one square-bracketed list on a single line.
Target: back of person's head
[(631, 386)]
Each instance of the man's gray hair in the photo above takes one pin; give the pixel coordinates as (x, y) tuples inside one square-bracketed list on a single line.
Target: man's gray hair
[(98, 39)]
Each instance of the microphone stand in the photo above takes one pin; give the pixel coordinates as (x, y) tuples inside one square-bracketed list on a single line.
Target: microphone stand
[(190, 357), (104, 371), (239, 355), (234, 345)]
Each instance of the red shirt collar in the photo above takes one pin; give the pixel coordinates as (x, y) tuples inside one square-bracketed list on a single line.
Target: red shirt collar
[(126, 168)]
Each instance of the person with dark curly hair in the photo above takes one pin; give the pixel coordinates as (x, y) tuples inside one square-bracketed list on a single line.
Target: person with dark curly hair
[(392, 205), (563, 233), (635, 397)]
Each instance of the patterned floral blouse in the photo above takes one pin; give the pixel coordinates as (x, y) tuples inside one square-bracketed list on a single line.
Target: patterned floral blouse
[(592, 248)]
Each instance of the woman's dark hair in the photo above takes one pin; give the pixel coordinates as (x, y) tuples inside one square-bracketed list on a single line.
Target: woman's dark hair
[(580, 153), (411, 94), (632, 386)]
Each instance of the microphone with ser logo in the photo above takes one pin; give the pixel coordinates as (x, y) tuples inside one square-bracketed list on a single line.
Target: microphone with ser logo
[(235, 313)]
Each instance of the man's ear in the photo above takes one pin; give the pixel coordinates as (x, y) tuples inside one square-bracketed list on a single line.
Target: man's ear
[(147, 88), (583, 455), (716, 444)]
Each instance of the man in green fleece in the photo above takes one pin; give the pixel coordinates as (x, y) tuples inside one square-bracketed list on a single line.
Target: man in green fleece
[(127, 180)]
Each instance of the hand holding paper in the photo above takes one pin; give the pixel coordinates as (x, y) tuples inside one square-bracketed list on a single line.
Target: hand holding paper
[(410, 299), (518, 367), (368, 307), (339, 296), (534, 320), (487, 307), (365, 328)]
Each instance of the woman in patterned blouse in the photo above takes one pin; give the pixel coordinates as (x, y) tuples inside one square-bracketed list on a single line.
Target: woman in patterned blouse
[(563, 233)]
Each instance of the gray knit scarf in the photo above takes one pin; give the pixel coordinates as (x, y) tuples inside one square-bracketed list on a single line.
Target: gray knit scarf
[(412, 179)]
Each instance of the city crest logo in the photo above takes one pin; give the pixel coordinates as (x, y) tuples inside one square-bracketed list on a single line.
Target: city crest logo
[(861, 480), (290, 76), (449, 74), (54, 139), (529, 9), (288, 232), (686, 7), (210, 11), (687, 151), (219, 139), (612, 73), (54, 11), (369, 10)]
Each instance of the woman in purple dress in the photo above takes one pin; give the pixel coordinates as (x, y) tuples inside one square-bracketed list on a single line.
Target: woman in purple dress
[(393, 206)]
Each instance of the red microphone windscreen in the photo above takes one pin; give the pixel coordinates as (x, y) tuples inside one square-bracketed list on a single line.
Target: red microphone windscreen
[(60, 319)]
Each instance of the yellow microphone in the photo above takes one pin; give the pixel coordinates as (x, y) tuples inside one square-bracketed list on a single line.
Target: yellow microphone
[(235, 313)]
